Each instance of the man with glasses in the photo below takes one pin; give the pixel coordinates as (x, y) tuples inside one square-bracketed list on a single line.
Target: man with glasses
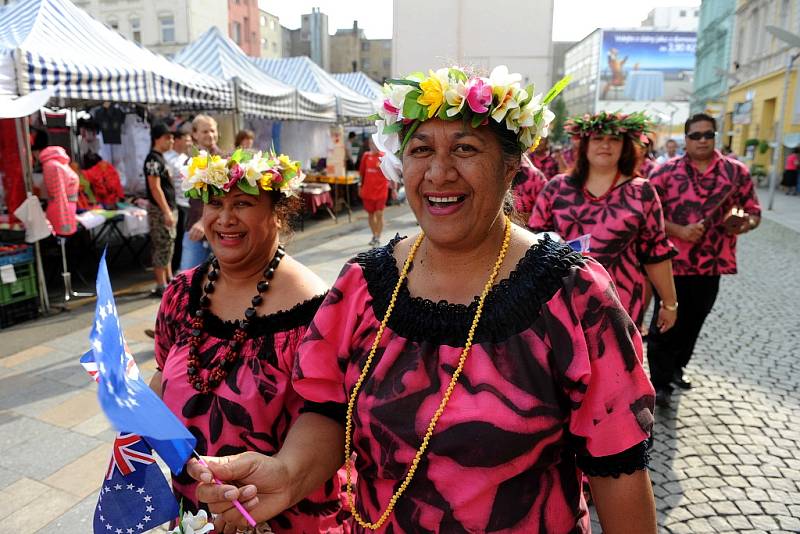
[(708, 200)]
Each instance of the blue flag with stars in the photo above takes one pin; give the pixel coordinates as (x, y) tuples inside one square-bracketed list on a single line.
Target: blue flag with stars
[(127, 401), (135, 496)]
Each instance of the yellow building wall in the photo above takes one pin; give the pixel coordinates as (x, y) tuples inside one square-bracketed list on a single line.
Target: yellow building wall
[(768, 93)]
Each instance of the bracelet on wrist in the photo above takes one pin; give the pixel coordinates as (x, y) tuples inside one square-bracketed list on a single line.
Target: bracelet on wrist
[(669, 307)]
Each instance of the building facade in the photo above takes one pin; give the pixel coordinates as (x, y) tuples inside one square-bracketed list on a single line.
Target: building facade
[(714, 38), (758, 68), (582, 64), (351, 51), (163, 27), (346, 49), (431, 34), (243, 25), (685, 19), (557, 69), (271, 35)]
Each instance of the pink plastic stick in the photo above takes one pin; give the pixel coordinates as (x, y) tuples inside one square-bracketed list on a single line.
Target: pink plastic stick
[(236, 503)]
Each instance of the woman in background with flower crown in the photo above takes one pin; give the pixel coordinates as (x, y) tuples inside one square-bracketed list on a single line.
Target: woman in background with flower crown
[(476, 371), (604, 201), (227, 331)]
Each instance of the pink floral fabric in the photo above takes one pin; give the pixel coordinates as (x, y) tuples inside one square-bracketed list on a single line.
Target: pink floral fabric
[(553, 387), (626, 229), (646, 167), (689, 196), (547, 164), (255, 406), (526, 192)]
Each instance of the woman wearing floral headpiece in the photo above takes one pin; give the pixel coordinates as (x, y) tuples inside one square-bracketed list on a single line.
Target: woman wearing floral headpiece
[(227, 331), (477, 371), (604, 202)]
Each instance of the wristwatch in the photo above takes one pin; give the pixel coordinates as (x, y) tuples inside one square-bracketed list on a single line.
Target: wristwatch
[(670, 307)]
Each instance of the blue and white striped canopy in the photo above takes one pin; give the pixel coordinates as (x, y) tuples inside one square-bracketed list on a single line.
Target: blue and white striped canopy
[(258, 94), (361, 84), (55, 43), (306, 75)]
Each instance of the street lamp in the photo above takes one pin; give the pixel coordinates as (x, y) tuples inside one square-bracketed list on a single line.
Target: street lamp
[(793, 40)]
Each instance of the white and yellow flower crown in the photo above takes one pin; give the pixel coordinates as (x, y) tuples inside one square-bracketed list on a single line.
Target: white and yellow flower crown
[(206, 175), (450, 94)]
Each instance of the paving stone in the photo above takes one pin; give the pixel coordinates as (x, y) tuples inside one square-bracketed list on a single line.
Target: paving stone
[(40, 458), (792, 524), (763, 521)]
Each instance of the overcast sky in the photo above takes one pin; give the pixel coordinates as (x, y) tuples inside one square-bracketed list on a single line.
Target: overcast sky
[(573, 20)]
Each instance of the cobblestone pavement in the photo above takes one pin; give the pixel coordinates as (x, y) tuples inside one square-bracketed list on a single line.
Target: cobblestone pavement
[(726, 457)]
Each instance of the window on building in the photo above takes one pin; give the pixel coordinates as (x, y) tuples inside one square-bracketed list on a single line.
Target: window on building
[(365, 46), (113, 23), (236, 32), (246, 28), (387, 64), (785, 21), (755, 29), (275, 47), (136, 30), (264, 43), (263, 20), (365, 63), (271, 24), (166, 24), (682, 13)]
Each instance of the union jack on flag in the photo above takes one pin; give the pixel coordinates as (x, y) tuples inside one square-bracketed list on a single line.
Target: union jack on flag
[(125, 454)]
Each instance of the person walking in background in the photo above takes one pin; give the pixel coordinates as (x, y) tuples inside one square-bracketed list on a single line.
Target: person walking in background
[(709, 200), (195, 247), (61, 183), (162, 214), (245, 139), (670, 151), (373, 191), (176, 159), (790, 181), (604, 202), (543, 160), (526, 186)]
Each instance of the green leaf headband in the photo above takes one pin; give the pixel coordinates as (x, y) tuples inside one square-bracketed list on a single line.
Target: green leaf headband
[(634, 125), (450, 94), (206, 175)]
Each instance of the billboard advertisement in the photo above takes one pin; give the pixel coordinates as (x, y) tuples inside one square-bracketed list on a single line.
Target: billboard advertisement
[(645, 66)]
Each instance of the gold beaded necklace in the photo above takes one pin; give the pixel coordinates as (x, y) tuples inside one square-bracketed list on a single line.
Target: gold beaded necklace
[(435, 419)]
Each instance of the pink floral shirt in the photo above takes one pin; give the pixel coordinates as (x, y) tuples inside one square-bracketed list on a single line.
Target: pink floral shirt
[(553, 387), (253, 408), (547, 164), (525, 193), (689, 197), (626, 229)]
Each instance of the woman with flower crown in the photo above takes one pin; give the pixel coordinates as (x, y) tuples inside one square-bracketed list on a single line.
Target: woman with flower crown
[(227, 331), (475, 371), (603, 201)]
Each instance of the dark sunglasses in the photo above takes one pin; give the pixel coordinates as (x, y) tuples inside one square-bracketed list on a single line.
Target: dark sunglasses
[(696, 136)]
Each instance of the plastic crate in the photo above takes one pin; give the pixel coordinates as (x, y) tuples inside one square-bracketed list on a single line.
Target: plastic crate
[(24, 288), (20, 254), (17, 312)]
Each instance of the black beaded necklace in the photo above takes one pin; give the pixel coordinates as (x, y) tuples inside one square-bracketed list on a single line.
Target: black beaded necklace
[(219, 372)]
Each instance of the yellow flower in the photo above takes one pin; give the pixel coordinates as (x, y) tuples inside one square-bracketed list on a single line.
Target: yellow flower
[(266, 181), (198, 162), (433, 90)]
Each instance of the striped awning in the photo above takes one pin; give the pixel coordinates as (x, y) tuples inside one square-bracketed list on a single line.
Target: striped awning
[(306, 75), (361, 84), (54, 43), (258, 94)]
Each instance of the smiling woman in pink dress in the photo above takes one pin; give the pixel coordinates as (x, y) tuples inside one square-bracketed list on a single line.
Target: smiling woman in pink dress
[(604, 199), (464, 362)]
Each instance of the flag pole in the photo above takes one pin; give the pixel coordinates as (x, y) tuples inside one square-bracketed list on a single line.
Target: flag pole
[(236, 503)]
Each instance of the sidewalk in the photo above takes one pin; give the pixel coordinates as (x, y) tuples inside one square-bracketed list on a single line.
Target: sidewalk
[(54, 440), (785, 210)]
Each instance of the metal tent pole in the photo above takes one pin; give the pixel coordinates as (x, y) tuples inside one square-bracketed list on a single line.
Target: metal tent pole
[(23, 135)]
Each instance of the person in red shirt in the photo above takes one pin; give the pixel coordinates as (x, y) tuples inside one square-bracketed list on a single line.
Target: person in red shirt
[(790, 172), (373, 191), (698, 192), (543, 160)]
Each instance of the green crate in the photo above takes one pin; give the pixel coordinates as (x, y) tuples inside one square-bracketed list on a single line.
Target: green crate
[(24, 288)]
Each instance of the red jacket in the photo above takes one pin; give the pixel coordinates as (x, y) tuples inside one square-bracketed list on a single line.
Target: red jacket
[(61, 184)]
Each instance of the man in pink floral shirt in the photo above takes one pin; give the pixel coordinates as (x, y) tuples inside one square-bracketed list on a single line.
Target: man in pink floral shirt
[(698, 193)]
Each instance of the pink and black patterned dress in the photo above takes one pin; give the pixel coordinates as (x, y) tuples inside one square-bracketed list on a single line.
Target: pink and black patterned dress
[(691, 197), (528, 189), (553, 388), (254, 407), (626, 229), (547, 164)]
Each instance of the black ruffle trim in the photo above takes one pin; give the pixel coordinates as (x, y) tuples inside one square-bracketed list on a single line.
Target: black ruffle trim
[(282, 321), (332, 410), (648, 259), (511, 306), (625, 463)]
